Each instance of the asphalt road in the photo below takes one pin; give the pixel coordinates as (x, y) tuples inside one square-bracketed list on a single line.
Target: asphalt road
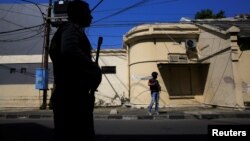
[(117, 130)]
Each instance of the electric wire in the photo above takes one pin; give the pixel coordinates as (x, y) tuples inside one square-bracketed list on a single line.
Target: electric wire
[(36, 6), (122, 10), (20, 13), (21, 39), (96, 5), (25, 28), (7, 12)]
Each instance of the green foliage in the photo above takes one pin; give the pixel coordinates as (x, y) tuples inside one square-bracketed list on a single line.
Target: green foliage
[(220, 14), (208, 14)]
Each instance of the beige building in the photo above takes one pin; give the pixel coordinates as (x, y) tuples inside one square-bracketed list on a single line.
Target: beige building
[(18, 80), (113, 89), (200, 62), (197, 63)]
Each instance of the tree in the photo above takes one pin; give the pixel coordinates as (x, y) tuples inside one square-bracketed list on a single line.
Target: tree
[(208, 14), (220, 14)]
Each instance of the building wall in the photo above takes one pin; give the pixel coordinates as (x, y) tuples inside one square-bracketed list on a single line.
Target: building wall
[(21, 95), (222, 87), (244, 67), (148, 47), (144, 58), (17, 89), (114, 87), (216, 71)]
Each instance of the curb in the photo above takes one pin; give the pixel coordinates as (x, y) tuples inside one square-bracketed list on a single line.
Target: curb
[(20, 116), (132, 117), (170, 116)]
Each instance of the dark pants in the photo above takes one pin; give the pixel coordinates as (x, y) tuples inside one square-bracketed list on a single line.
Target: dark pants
[(73, 114)]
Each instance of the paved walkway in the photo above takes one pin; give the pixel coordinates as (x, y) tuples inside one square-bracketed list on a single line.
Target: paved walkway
[(125, 113)]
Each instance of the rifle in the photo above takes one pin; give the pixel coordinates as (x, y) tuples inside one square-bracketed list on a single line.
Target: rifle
[(100, 39)]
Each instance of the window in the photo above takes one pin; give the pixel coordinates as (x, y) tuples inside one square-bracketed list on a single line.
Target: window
[(244, 43), (23, 70), (109, 69), (12, 70)]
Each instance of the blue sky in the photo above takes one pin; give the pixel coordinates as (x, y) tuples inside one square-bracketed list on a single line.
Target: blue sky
[(129, 13)]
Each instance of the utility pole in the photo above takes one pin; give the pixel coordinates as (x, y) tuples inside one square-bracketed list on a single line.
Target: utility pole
[(46, 52)]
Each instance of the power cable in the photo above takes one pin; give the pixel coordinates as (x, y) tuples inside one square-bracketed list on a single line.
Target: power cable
[(25, 38), (123, 10), (10, 11), (96, 5), (7, 12), (148, 4), (25, 28), (21, 33), (40, 4), (159, 3), (13, 23), (36, 6)]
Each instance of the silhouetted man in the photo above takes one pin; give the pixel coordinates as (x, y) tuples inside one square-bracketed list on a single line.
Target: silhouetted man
[(75, 75)]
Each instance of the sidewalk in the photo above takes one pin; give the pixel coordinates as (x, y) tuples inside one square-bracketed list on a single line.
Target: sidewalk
[(125, 113), (197, 112)]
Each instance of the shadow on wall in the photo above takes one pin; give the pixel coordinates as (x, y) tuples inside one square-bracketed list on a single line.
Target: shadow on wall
[(183, 80)]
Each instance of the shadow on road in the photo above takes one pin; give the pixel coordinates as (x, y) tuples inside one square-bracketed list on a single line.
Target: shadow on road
[(150, 137), (25, 132), (37, 132)]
